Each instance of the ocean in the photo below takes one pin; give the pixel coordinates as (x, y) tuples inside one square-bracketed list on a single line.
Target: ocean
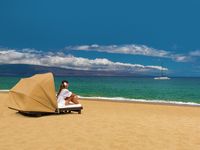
[(176, 90)]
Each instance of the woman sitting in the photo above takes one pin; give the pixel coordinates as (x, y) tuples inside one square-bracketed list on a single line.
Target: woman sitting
[(64, 96)]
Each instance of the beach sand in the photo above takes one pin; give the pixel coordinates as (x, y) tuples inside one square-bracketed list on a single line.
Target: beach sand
[(103, 125)]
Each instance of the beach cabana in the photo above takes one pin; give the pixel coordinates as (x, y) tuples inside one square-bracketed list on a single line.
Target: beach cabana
[(37, 95)]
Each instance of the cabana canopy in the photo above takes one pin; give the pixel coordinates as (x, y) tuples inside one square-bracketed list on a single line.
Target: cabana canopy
[(34, 94)]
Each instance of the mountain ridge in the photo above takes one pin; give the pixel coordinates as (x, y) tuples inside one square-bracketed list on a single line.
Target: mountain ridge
[(27, 70)]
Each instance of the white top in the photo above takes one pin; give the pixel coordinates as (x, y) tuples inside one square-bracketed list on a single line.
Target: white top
[(61, 98)]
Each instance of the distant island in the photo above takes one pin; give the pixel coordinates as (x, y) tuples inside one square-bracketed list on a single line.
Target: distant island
[(28, 70)]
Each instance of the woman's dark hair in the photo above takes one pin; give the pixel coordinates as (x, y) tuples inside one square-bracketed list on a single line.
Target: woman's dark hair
[(64, 81), (62, 86)]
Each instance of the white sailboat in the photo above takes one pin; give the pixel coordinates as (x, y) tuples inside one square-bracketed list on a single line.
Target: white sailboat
[(162, 77)]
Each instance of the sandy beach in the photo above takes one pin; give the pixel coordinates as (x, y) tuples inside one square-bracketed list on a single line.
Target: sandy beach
[(103, 125)]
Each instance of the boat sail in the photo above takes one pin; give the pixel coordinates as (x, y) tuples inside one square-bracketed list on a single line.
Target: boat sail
[(162, 76)]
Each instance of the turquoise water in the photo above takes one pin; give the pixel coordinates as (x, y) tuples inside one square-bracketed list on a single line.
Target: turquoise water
[(176, 89)]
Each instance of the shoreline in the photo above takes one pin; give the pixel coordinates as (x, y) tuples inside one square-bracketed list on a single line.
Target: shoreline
[(142, 102), (5, 90), (127, 100)]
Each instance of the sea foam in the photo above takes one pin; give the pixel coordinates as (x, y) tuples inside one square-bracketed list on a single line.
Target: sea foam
[(141, 100)]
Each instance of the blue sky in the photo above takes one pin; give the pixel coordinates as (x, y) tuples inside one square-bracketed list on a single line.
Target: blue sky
[(124, 35)]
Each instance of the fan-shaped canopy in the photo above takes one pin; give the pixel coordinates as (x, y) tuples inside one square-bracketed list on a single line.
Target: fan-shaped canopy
[(34, 94)]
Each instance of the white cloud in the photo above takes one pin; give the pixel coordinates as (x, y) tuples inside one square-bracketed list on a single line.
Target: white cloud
[(195, 53), (123, 49), (131, 49), (181, 58), (69, 61)]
